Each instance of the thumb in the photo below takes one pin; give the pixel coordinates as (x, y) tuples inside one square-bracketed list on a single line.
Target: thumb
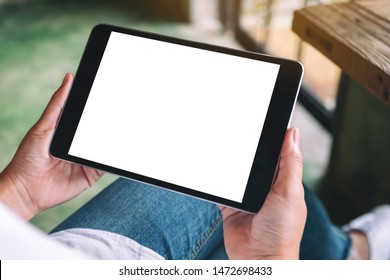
[(284, 210), (52, 112), (289, 175)]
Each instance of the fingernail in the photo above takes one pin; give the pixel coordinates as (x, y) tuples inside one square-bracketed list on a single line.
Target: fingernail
[(65, 79), (296, 135)]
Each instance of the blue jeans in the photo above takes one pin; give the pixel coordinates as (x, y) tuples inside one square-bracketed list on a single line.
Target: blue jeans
[(182, 227)]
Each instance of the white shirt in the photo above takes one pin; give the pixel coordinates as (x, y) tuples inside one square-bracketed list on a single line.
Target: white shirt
[(20, 240)]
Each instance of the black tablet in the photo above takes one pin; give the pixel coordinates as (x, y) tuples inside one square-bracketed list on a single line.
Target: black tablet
[(198, 119)]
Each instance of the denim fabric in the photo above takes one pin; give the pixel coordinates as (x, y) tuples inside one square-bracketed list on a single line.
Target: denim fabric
[(181, 227), (171, 224), (321, 239)]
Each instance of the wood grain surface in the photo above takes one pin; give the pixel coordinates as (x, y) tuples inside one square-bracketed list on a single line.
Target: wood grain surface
[(355, 36)]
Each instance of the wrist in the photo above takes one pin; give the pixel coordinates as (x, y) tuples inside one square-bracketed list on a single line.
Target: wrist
[(15, 196), (285, 253), (286, 256)]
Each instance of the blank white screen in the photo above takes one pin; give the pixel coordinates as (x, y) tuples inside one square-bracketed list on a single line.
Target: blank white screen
[(183, 115)]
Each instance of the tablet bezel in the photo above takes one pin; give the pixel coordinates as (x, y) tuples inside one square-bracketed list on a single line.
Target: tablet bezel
[(266, 158)]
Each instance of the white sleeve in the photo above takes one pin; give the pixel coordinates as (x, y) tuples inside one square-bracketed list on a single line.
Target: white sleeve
[(20, 240)]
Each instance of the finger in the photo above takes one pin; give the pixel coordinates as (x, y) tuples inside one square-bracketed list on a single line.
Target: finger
[(53, 109), (289, 175)]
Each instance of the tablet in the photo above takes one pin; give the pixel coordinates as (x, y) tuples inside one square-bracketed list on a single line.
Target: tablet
[(194, 118)]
